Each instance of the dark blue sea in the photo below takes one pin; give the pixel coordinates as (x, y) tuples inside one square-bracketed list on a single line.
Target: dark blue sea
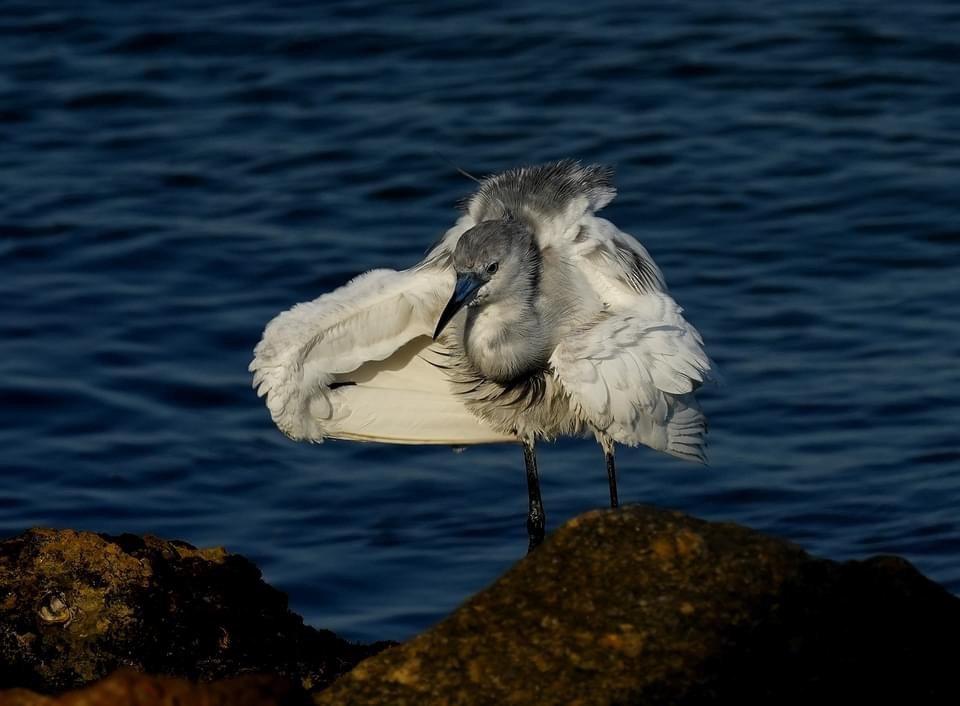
[(174, 174)]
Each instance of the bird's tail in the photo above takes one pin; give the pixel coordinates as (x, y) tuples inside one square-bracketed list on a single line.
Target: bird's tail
[(687, 430)]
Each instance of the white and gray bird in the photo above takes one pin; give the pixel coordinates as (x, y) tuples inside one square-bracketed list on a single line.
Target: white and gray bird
[(532, 318)]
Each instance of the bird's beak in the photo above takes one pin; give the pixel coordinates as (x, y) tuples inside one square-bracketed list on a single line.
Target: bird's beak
[(464, 291)]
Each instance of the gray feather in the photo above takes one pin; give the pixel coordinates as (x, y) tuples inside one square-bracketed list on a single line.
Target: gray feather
[(542, 191)]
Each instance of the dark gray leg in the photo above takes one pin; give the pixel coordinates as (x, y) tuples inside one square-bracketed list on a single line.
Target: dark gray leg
[(607, 444), (612, 478), (536, 520)]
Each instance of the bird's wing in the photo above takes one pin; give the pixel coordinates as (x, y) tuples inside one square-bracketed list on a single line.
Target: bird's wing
[(347, 365), (633, 378), (632, 371)]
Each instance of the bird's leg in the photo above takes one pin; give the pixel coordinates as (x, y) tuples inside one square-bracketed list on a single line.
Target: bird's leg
[(607, 444), (536, 519)]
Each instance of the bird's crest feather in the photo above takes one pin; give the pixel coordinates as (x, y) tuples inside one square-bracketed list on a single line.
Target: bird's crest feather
[(543, 193)]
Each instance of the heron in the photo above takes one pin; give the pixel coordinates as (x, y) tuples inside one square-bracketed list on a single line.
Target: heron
[(532, 318)]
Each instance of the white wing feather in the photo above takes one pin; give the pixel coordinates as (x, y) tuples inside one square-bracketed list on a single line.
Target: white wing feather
[(633, 370), (347, 365)]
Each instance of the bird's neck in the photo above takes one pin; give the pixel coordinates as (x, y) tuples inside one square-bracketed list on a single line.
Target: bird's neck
[(505, 340)]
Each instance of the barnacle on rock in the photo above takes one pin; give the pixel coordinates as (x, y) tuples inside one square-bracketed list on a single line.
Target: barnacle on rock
[(53, 609)]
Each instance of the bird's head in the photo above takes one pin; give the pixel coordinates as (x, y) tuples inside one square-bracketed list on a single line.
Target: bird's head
[(492, 260)]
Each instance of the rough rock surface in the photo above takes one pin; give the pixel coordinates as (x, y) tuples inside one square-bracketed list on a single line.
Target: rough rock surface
[(645, 606), (74, 606)]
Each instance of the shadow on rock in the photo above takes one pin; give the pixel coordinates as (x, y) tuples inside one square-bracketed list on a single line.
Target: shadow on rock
[(129, 688)]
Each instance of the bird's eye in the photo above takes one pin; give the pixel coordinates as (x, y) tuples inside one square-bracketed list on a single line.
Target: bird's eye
[(492, 268)]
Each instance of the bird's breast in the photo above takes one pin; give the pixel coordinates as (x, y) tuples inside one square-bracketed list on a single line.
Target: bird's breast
[(503, 346)]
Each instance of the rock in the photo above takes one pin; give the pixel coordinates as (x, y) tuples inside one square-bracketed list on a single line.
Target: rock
[(75, 606), (129, 688), (645, 606), (635, 606)]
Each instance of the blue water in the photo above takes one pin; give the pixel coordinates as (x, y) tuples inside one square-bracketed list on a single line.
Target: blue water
[(171, 177)]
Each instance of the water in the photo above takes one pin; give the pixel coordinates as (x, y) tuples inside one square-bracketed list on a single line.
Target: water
[(170, 178)]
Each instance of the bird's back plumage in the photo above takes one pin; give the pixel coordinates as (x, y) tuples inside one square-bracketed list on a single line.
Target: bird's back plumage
[(619, 358)]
